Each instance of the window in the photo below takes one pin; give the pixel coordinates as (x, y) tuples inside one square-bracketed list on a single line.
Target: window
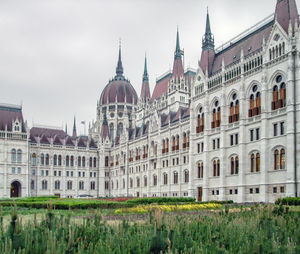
[(145, 181), (274, 189), (47, 159), (69, 185), (200, 170), (47, 172), (71, 173), (175, 176), (255, 162), (13, 170), (131, 182), (251, 135), (32, 184), (279, 94), (257, 134), (154, 180), (44, 185), (79, 161), (54, 173), (67, 161), (186, 176), (216, 115), (231, 140), (234, 109), (257, 190), (137, 182), (200, 121), (93, 185), (282, 189), (13, 155), (42, 159), (42, 172), (165, 177), (83, 161), (236, 191), (81, 185), (59, 173), (282, 159), (19, 170), (282, 128), (79, 174), (19, 156), (214, 144), (236, 138), (251, 191), (72, 161), (33, 159), (67, 173), (57, 185), (59, 160), (218, 143), (55, 160), (254, 107), (275, 129), (95, 162), (216, 168)]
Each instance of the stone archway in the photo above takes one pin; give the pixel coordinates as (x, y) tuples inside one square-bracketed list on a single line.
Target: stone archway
[(15, 189)]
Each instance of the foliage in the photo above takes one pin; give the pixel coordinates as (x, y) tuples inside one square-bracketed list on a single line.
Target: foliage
[(159, 200), (288, 201), (257, 230), (167, 208)]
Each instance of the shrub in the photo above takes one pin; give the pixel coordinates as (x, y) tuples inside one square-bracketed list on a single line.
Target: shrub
[(159, 200), (288, 201)]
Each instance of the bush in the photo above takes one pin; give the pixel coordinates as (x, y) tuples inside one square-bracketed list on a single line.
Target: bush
[(288, 201), (159, 200), (224, 202)]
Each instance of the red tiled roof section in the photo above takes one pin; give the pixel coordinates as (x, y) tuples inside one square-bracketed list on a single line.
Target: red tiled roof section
[(286, 10), (145, 92), (233, 53), (47, 132), (8, 115), (161, 87), (177, 68)]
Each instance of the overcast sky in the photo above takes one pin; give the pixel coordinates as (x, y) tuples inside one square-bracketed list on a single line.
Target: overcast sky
[(56, 56)]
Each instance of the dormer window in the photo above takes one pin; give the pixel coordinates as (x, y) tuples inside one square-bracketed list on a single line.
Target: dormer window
[(16, 126)]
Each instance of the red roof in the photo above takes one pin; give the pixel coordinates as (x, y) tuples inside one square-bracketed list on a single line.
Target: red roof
[(177, 68), (8, 114), (47, 132), (286, 10), (145, 92), (161, 87)]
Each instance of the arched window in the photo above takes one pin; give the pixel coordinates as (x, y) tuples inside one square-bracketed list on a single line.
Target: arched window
[(276, 159), (257, 162), (69, 185), (200, 121), (234, 109), (282, 159), (255, 105), (165, 176), (175, 176), (173, 143), (55, 160), (252, 162), (19, 156), (154, 180), (167, 145), (59, 160), (123, 183), (236, 165), (137, 182), (44, 185), (79, 161), (232, 166), (13, 155), (33, 159), (91, 161), (200, 170), (214, 168), (32, 184), (184, 141), (92, 185), (186, 176), (83, 161), (177, 142), (216, 115), (47, 159), (95, 162), (42, 159), (131, 182), (145, 181), (57, 185), (72, 161), (81, 185), (67, 161), (218, 167)]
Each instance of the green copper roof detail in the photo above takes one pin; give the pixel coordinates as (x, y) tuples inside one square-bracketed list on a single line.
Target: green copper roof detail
[(208, 39), (145, 76), (178, 53)]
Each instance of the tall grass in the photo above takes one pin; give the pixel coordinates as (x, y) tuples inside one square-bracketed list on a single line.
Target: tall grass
[(259, 230)]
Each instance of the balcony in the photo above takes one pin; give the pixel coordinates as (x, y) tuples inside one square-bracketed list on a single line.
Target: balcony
[(199, 128), (233, 118), (278, 104), (254, 112), (215, 124)]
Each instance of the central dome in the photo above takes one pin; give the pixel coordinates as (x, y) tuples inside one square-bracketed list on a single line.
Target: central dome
[(119, 90)]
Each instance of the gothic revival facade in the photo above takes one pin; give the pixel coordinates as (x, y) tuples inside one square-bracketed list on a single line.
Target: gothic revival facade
[(229, 130)]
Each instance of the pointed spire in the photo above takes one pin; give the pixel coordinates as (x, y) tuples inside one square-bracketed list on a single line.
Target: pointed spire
[(119, 69), (177, 51), (74, 129), (145, 76), (145, 92), (208, 39)]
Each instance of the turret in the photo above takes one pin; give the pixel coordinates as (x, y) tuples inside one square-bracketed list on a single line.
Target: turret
[(145, 92)]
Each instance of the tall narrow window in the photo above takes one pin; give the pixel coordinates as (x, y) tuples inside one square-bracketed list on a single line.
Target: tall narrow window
[(252, 162), (13, 155), (282, 159), (257, 162), (19, 156), (276, 159)]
